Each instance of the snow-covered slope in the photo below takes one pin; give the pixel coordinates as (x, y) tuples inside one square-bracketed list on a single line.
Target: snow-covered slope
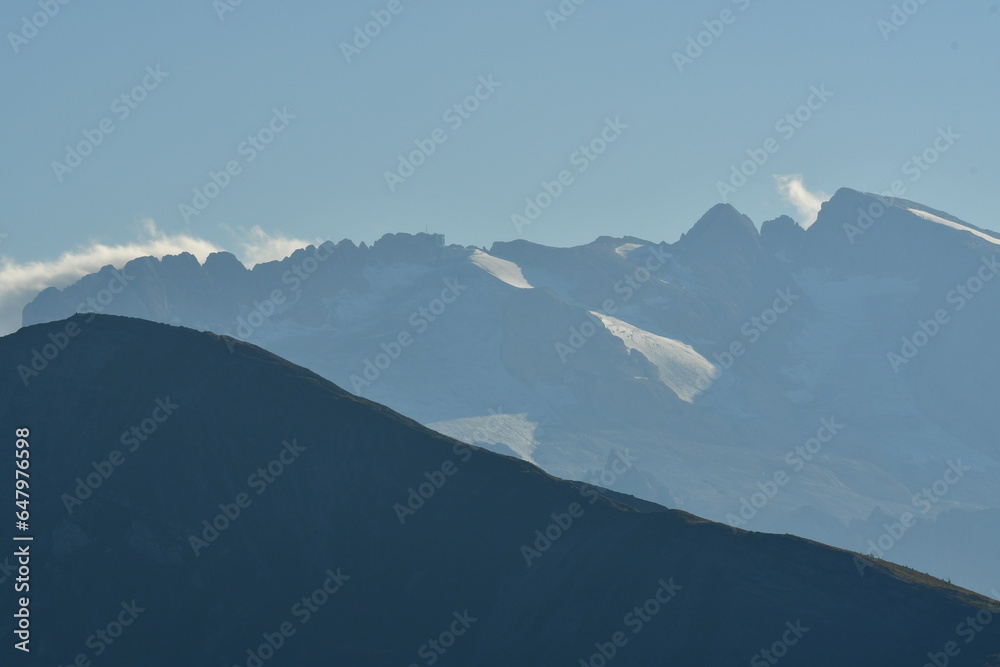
[(678, 365)]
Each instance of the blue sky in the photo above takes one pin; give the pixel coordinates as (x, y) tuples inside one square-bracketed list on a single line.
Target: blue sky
[(560, 83)]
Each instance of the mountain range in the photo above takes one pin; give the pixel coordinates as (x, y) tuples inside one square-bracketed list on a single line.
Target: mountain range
[(831, 382)]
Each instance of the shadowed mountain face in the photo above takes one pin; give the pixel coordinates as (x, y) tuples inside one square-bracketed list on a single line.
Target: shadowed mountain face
[(197, 501), (826, 382)]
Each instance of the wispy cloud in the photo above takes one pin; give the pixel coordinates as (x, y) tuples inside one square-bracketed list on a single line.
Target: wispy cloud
[(257, 246), (807, 204), (20, 282)]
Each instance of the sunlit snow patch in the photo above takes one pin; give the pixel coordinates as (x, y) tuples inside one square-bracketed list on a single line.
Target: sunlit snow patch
[(954, 225), (627, 248), (508, 272), (680, 367), (496, 432)]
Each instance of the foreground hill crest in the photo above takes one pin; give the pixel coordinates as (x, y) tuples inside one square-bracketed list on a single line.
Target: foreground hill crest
[(350, 569)]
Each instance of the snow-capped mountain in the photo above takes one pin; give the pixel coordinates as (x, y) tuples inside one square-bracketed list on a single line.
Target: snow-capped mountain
[(832, 382)]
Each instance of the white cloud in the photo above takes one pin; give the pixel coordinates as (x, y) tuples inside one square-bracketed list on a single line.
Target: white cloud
[(806, 203), (258, 246), (20, 282)]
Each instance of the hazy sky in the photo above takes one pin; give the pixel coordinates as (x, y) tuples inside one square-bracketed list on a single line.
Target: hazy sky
[(199, 81)]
